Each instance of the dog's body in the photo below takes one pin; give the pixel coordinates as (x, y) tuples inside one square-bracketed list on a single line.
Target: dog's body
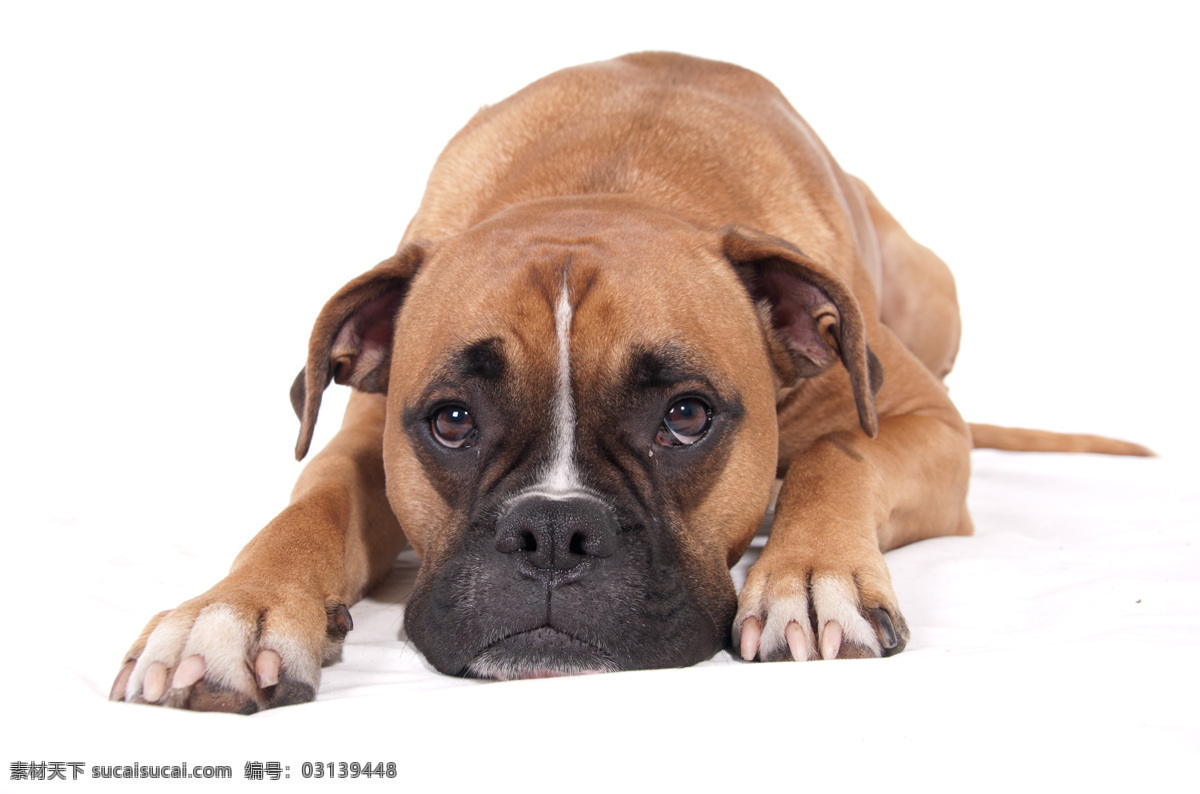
[(635, 292)]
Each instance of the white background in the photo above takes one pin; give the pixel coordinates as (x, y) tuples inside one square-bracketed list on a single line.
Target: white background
[(184, 184)]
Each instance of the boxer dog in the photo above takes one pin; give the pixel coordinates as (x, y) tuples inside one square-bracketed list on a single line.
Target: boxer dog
[(635, 294)]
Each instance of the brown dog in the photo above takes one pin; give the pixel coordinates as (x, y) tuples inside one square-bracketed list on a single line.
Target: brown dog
[(636, 293)]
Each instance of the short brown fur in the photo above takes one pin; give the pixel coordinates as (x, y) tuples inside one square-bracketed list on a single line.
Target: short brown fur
[(612, 180)]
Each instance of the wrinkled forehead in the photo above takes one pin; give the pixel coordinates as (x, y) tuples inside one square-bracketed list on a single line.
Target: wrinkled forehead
[(617, 285)]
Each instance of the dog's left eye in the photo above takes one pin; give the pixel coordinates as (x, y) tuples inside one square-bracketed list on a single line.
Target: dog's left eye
[(684, 423), (454, 427)]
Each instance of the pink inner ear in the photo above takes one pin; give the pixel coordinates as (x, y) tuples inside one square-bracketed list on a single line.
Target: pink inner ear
[(800, 313), (378, 319), (364, 342)]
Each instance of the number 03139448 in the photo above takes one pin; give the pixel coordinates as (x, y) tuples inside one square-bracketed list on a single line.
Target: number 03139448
[(344, 769)]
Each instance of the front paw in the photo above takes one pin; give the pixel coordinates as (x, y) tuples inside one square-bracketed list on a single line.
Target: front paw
[(236, 649), (802, 610)]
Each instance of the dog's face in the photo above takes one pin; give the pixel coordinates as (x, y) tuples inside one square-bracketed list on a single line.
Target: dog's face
[(578, 444), (581, 433)]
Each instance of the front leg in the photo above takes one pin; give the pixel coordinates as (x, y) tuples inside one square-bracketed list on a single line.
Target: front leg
[(821, 588), (258, 638)]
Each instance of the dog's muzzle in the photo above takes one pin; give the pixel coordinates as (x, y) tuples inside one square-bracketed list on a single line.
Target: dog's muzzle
[(562, 584)]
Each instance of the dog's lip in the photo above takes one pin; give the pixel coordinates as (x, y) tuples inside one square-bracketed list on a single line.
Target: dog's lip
[(516, 669), (543, 630)]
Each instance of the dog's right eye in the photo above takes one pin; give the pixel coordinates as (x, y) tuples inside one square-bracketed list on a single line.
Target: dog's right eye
[(685, 423), (454, 427)]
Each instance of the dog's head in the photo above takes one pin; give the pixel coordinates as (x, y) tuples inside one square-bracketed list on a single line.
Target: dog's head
[(581, 434)]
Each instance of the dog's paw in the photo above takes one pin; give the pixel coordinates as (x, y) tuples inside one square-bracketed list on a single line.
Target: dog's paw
[(805, 612), (233, 649)]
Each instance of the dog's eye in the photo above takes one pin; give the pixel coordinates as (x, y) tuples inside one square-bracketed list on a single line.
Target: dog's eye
[(685, 422), (454, 427)]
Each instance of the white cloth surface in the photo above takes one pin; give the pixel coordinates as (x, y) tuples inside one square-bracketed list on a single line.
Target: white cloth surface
[(1055, 646)]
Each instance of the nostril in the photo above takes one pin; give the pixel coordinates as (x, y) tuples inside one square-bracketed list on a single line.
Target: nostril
[(552, 534)]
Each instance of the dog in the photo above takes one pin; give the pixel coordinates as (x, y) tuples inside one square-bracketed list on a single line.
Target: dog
[(635, 294)]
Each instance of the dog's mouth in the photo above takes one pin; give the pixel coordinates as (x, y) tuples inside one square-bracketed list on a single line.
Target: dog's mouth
[(539, 653)]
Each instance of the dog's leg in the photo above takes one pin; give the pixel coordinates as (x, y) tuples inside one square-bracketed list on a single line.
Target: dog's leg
[(258, 638), (821, 588)]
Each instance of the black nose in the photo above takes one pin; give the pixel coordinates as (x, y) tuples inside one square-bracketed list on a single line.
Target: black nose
[(557, 535)]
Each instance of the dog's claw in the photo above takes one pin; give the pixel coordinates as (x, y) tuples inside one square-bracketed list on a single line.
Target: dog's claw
[(266, 668), (189, 671), (122, 680), (883, 625), (831, 640), (155, 682), (751, 634), (796, 641), (892, 640)]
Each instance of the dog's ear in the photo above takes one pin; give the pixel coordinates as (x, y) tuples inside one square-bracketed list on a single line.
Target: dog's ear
[(812, 318), (351, 342)]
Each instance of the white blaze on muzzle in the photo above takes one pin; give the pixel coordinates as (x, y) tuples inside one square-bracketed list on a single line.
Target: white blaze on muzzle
[(561, 478)]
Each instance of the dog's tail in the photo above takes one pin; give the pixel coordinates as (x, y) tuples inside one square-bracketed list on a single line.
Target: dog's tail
[(1019, 439)]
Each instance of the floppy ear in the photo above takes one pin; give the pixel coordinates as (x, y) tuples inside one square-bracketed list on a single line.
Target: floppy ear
[(351, 342), (812, 318)]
